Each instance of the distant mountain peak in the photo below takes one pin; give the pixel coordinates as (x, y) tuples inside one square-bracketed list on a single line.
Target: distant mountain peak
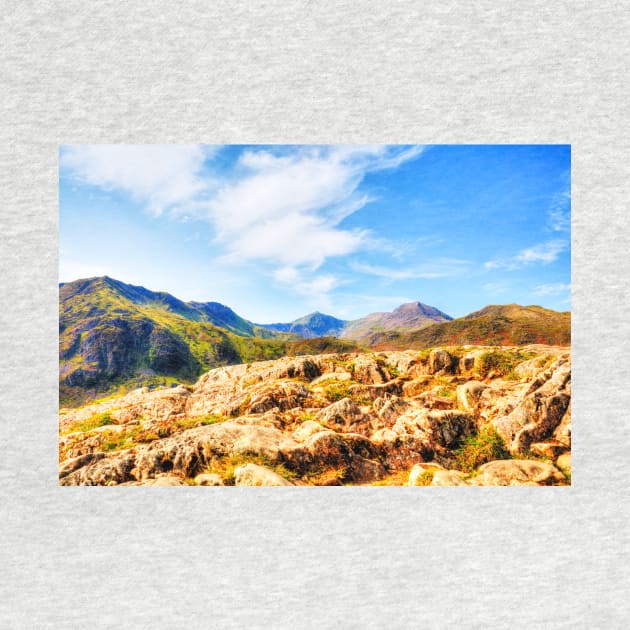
[(314, 324), (411, 315)]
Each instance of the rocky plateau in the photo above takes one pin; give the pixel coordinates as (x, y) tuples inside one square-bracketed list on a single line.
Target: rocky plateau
[(448, 416)]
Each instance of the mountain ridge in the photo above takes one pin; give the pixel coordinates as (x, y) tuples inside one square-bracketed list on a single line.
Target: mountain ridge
[(499, 325), (409, 315), (113, 334)]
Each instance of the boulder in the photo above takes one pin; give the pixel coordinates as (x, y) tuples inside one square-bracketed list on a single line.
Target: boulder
[(388, 409), (307, 368), (341, 415), (281, 396), (306, 429), (220, 391), (361, 445), (562, 433), (165, 480), (74, 463), (436, 399), (466, 363), (368, 371), (564, 462), (439, 362), (142, 403), (516, 472), (468, 395), (399, 452), (446, 428), (448, 478), (416, 386), (417, 473), (328, 449), (550, 448), (362, 470), (254, 475), (187, 453), (103, 472), (372, 392), (539, 412)]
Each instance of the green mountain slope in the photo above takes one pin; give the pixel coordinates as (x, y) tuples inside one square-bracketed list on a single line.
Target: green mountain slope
[(112, 334), (115, 336), (510, 324)]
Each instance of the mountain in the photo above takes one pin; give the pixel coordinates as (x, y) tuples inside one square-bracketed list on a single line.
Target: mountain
[(312, 325), (113, 334), (509, 324), (411, 315)]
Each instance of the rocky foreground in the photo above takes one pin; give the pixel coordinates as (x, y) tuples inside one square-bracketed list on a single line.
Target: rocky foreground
[(456, 416)]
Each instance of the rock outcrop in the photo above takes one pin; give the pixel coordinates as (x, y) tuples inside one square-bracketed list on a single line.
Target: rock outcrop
[(253, 475), (334, 419)]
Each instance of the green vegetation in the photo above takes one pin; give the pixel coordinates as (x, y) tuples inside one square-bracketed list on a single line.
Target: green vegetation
[(93, 422), (322, 476), (115, 337), (398, 478), (502, 362), (425, 478), (119, 440), (545, 361), (338, 390), (183, 424), (382, 363), (447, 392), (479, 449)]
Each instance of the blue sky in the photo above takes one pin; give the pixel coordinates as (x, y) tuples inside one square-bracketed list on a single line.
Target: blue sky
[(279, 231)]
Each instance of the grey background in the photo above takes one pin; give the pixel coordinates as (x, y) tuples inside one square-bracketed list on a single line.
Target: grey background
[(146, 72)]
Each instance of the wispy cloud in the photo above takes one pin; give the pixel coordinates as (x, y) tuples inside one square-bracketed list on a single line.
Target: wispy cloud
[(288, 208), (439, 268), (543, 253), (554, 288), (314, 287), (560, 212), (157, 176), (282, 207)]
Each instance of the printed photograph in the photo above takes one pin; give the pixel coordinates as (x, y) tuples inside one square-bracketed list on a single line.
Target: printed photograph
[(315, 315)]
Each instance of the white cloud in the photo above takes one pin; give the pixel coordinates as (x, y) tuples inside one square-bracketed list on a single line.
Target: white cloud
[(440, 268), (554, 288), (287, 207), (283, 206), (158, 176), (560, 212), (317, 182), (544, 253), (315, 288)]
